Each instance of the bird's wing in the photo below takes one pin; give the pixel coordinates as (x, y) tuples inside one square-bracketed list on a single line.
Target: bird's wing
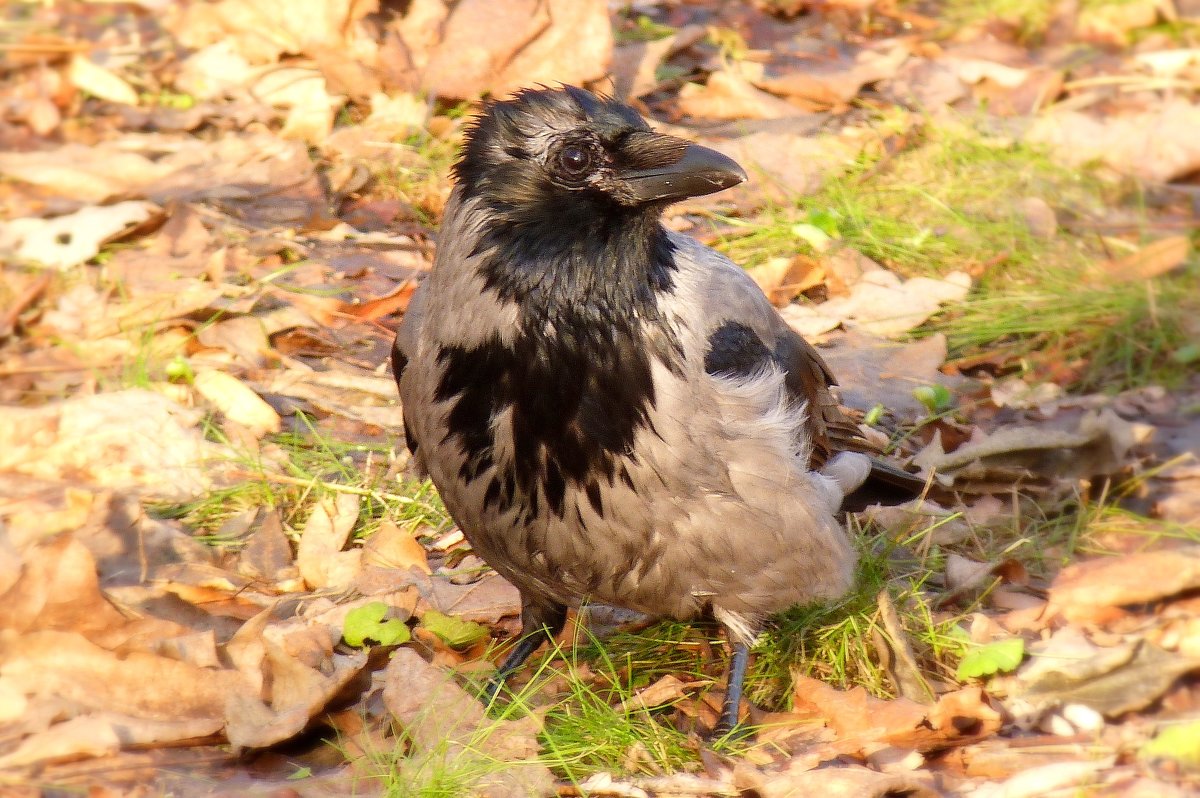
[(743, 330), (728, 301), (405, 346)]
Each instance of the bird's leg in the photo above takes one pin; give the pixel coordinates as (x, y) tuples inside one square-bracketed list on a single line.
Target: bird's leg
[(538, 623), (733, 690)]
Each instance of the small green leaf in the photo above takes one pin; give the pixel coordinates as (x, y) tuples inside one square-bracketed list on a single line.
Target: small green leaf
[(1186, 354), (180, 370), (812, 235), (935, 398), (1000, 656), (455, 632), (873, 415), (300, 773), (1180, 742), (826, 221), (367, 623)]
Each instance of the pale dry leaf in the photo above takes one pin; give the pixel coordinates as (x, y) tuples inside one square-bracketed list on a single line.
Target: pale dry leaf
[(575, 49), (319, 556), (393, 547), (1159, 144), (83, 173), (834, 82), (635, 64), (730, 96), (94, 79), (844, 781), (311, 107), (57, 589), (245, 337), (1152, 260), (1112, 23), (1097, 447), (87, 735), (67, 666), (465, 64), (65, 241), (875, 303), (782, 279), (446, 724), (133, 439), (263, 30), (783, 165), (1068, 668), (1082, 591), (1067, 777), (213, 70), (298, 693), (268, 551), (872, 370), (236, 401), (666, 690)]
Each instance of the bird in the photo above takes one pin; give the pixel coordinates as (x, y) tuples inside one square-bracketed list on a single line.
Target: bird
[(614, 412)]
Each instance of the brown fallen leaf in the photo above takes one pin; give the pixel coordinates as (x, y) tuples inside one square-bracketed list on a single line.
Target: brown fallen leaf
[(298, 693), (1084, 592), (528, 42), (783, 279), (236, 401), (319, 554), (1152, 260), (730, 96), (445, 723), (89, 76), (132, 439), (392, 547), (1068, 668), (859, 719), (1158, 144), (845, 781)]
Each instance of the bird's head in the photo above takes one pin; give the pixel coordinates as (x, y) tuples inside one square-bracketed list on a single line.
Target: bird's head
[(558, 151)]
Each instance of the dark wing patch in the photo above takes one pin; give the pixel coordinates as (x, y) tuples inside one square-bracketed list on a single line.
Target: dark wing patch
[(735, 350)]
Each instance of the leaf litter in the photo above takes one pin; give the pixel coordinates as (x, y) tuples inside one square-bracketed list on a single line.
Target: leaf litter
[(204, 258)]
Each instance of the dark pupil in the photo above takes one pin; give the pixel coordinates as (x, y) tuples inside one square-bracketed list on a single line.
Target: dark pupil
[(574, 159)]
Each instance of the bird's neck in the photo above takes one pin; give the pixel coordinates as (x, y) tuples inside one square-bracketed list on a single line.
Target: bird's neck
[(565, 260)]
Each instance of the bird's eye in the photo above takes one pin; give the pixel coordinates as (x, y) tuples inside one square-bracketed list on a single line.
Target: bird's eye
[(574, 160)]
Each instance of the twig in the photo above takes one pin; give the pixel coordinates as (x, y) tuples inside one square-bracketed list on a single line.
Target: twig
[(8, 320)]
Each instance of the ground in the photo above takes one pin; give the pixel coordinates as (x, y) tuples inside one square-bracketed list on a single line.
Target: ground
[(220, 574)]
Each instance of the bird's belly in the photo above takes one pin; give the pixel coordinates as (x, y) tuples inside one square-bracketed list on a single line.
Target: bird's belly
[(711, 506)]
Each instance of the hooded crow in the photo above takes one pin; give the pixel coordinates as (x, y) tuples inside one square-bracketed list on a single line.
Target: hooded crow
[(612, 411)]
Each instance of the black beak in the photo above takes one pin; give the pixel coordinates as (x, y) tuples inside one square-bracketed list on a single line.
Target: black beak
[(693, 171)]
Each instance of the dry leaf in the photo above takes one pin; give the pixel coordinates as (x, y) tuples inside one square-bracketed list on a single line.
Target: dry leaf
[(730, 96), (528, 42), (89, 76), (444, 724), (1158, 145), (319, 555), (65, 241), (782, 279), (1084, 591), (1151, 260), (393, 547), (875, 303), (236, 401), (133, 439)]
